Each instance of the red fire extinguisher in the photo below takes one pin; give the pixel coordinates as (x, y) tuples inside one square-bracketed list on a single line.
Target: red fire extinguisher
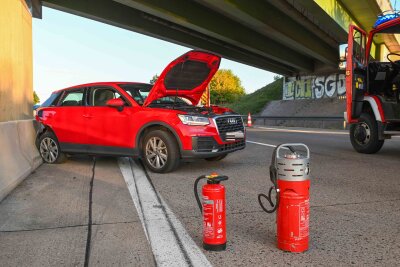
[(213, 209), (289, 174)]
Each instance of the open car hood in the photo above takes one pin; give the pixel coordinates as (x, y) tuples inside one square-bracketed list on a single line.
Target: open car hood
[(187, 76)]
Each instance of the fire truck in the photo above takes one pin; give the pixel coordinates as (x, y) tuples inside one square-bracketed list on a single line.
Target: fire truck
[(372, 86)]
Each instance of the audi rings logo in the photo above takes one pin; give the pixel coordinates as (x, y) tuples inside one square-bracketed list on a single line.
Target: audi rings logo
[(231, 121)]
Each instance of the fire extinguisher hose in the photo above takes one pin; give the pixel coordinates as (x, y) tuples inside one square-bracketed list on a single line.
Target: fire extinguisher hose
[(196, 193), (269, 198)]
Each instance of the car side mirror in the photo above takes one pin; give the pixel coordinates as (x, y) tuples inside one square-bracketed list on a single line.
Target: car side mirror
[(342, 56), (117, 103)]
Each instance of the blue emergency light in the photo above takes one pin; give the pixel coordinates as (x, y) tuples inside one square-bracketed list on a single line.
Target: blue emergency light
[(386, 17)]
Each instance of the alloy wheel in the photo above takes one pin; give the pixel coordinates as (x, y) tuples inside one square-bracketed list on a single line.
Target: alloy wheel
[(48, 150), (156, 152)]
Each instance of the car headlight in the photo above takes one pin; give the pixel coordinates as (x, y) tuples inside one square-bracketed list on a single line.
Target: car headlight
[(193, 120)]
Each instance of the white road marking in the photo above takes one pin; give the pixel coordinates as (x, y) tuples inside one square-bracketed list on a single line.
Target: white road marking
[(171, 244), (126, 171), (266, 129), (262, 144), (300, 131)]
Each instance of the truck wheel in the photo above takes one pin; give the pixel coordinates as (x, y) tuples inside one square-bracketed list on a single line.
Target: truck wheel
[(364, 135), (160, 152), (49, 149), (217, 158)]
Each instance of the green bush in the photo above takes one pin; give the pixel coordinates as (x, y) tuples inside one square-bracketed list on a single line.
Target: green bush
[(256, 101)]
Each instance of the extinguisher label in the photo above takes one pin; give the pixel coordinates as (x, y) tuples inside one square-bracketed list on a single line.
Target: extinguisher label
[(304, 217), (213, 219), (219, 208), (208, 215)]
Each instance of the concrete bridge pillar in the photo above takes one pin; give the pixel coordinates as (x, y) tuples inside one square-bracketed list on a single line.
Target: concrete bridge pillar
[(18, 156), (15, 61)]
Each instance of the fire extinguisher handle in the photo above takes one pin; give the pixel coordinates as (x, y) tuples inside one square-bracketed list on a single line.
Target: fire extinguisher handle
[(196, 193), (221, 178)]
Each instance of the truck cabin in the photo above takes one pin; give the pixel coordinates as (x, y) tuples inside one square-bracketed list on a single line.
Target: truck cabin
[(382, 75)]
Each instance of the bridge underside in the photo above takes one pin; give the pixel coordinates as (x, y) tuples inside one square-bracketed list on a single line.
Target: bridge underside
[(278, 36)]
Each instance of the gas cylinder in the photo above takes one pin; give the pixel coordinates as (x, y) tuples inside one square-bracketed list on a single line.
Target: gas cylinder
[(289, 173), (213, 209)]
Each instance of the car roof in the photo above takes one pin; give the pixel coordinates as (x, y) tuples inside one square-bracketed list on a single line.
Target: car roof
[(96, 84)]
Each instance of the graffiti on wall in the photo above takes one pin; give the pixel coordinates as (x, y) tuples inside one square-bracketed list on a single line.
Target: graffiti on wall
[(314, 87)]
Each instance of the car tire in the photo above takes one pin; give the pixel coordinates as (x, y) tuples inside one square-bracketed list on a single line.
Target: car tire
[(217, 158), (364, 135), (160, 151), (49, 149)]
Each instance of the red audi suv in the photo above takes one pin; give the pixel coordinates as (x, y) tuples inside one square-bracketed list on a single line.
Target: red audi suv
[(161, 123)]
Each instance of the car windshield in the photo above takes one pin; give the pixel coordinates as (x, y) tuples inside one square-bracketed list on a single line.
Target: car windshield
[(140, 91), (388, 40)]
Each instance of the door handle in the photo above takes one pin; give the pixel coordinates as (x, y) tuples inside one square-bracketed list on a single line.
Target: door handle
[(87, 116)]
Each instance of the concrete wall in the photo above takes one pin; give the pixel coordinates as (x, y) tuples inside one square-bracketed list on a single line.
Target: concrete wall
[(19, 156), (314, 87), (324, 107), (15, 61)]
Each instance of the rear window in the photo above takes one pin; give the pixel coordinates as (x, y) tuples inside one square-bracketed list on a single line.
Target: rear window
[(52, 100)]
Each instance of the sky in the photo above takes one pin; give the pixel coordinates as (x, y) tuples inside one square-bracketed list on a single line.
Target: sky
[(70, 50), (395, 4)]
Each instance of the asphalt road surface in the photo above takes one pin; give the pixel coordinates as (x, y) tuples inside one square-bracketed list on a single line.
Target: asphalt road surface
[(354, 215), (355, 202)]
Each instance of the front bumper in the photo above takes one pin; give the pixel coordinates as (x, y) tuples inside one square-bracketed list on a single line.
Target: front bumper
[(206, 147)]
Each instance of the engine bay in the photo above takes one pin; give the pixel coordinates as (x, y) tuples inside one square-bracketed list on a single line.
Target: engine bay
[(210, 112)]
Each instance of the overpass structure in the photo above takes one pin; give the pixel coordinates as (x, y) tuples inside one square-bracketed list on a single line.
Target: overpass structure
[(288, 37), (272, 35)]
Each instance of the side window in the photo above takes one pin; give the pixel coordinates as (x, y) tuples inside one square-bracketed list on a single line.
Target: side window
[(359, 46), (73, 98), (100, 96)]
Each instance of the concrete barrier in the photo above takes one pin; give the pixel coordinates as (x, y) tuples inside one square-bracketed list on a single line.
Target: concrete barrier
[(27, 136), (18, 154), (305, 108)]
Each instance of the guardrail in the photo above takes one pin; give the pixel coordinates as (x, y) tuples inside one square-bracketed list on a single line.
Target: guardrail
[(322, 119)]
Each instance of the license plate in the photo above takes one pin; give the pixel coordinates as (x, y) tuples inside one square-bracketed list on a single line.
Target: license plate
[(232, 136)]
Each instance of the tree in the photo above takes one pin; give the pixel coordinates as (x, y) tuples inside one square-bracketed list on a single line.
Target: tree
[(277, 77), (36, 99), (154, 79), (225, 87)]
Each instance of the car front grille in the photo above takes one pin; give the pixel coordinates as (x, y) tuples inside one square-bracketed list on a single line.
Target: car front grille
[(204, 144), (208, 144), (231, 146), (229, 124)]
